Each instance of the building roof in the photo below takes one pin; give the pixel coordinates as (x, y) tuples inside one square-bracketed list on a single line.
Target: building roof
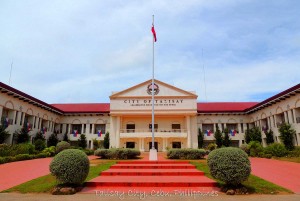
[(27, 98), (224, 107), (83, 107)]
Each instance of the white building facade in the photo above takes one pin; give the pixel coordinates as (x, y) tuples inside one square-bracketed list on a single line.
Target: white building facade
[(127, 117)]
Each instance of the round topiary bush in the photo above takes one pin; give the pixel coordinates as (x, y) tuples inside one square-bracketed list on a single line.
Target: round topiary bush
[(276, 149), (230, 165), (70, 166), (62, 146)]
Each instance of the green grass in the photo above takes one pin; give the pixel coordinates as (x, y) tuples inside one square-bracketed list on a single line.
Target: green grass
[(290, 159), (254, 184), (46, 183)]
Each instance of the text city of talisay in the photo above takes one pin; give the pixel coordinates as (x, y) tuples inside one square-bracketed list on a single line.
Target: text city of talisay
[(157, 102)]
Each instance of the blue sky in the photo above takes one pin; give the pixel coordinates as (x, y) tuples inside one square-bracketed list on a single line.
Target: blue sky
[(80, 51)]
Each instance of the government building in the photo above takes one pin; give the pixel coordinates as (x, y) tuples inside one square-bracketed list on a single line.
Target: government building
[(127, 117)]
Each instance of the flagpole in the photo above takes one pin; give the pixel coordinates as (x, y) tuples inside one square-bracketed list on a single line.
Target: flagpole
[(153, 151), (153, 87)]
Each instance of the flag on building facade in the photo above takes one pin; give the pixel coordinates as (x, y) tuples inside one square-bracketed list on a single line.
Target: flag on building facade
[(75, 132), (207, 132), (232, 132), (99, 133), (154, 33)]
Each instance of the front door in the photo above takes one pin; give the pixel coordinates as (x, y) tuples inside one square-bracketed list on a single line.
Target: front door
[(176, 145), (130, 145), (155, 145)]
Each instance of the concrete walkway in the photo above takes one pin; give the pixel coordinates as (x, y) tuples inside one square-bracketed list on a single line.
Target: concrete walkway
[(15, 173), (282, 173), (154, 197)]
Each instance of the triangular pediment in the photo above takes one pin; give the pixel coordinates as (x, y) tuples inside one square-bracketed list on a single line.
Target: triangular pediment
[(144, 90)]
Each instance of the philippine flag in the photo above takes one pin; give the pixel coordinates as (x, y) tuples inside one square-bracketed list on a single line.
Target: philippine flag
[(75, 132), (232, 132), (99, 133), (208, 132)]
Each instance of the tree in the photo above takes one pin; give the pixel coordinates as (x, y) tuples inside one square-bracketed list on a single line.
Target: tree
[(218, 137), (269, 137), (253, 134), (52, 140), (82, 141), (3, 134), (39, 136), (106, 141), (96, 144), (66, 138), (226, 140), (200, 138), (287, 134), (22, 135)]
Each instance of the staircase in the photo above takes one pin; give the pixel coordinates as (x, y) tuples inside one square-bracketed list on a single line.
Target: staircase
[(151, 175)]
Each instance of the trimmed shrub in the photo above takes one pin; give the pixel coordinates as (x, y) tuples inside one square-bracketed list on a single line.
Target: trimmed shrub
[(120, 153), (211, 146), (42, 155), (39, 144), (12, 150), (254, 148), (287, 134), (62, 146), (230, 165), (49, 151), (88, 152), (268, 156), (2, 160), (70, 166), (22, 157), (189, 154), (295, 152), (276, 149), (244, 147)]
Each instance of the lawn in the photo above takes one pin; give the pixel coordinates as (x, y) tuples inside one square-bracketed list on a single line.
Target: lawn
[(254, 184), (290, 159), (46, 183)]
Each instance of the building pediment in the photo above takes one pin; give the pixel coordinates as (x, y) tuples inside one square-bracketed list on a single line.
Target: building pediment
[(161, 89), (138, 100)]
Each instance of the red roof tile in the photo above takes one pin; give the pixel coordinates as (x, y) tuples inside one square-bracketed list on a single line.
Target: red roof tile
[(220, 107), (83, 107)]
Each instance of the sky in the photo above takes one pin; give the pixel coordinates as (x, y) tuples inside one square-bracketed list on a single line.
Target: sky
[(80, 51)]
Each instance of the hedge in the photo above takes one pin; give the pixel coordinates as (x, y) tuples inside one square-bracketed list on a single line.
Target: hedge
[(119, 153), (187, 154)]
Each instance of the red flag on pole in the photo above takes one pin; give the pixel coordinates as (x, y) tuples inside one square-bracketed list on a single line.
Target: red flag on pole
[(154, 33)]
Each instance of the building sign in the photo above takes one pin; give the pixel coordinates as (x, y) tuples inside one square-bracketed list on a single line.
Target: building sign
[(148, 102), (155, 87)]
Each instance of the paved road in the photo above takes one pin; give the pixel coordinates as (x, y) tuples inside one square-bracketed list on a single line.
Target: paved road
[(283, 173), (15, 173)]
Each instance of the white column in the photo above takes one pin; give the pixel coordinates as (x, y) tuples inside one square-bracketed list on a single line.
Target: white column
[(88, 129), (69, 129), (93, 129), (294, 117), (40, 124), (188, 125), (82, 128), (23, 118), (143, 144), (285, 117), (1, 110), (164, 145), (118, 132), (240, 128), (15, 116), (291, 118)]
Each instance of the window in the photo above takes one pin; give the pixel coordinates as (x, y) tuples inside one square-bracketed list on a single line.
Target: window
[(130, 145), (91, 127), (155, 127), (130, 128), (67, 131), (76, 128), (207, 128), (176, 145), (16, 118), (176, 128), (21, 118), (242, 127), (98, 128)]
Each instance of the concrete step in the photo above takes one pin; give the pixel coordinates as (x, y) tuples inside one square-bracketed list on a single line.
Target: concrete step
[(152, 172), (151, 181), (152, 166)]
